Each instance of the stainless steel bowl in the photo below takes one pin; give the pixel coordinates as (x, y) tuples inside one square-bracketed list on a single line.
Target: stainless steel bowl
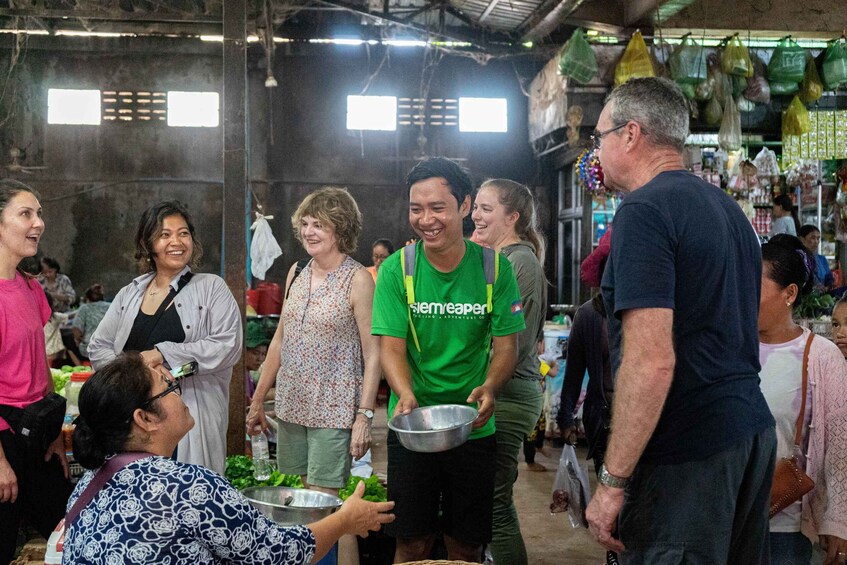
[(434, 428), (288, 506)]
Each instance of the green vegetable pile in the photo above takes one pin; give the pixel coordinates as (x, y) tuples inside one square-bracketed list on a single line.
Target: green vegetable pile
[(239, 473), (63, 375), (815, 304), (374, 491)]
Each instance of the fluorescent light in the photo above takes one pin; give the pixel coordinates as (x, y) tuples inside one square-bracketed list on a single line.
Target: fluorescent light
[(193, 109), (218, 38), (377, 113), (77, 107), (404, 42), (483, 115), (74, 33), (26, 31)]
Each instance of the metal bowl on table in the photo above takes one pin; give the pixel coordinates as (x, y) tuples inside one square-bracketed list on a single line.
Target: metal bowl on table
[(434, 428), (289, 506)]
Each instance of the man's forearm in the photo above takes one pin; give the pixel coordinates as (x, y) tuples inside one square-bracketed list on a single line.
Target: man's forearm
[(504, 357)]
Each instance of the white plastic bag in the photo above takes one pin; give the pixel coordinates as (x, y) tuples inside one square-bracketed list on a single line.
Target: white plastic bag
[(263, 249), (570, 488)]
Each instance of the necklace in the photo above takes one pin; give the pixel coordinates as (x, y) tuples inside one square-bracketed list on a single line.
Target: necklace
[(154, 292)]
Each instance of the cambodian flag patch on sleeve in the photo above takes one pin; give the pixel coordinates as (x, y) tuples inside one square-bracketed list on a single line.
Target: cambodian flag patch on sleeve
[(517, 307)]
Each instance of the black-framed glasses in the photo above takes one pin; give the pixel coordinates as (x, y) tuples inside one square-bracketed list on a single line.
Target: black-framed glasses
[(597, 137), (173, 386)]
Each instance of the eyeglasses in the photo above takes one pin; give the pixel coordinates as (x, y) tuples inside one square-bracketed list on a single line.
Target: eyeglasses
[(173, 386), (597, 137)]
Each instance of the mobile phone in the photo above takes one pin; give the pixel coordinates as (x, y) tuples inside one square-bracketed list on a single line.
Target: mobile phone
[(184, 370)]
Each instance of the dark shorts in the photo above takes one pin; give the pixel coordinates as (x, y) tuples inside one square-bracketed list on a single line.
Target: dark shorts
[(701, 512), (449, 492)]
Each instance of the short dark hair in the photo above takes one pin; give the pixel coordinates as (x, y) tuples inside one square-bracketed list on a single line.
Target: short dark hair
[(95, 293), (385, 243), (150, 226), (107, 403), (51, 264), (807, 229), (457, 177), (786, 261)]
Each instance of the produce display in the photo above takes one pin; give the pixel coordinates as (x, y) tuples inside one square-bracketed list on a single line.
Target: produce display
[(239, 473), (63, 375)]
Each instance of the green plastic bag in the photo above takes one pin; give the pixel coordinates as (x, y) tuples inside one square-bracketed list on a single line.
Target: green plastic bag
[(635, 62), (795, 120), (688, 62), (834, 67), (578, 60), (782, 88), (788, 62), (736, 59)]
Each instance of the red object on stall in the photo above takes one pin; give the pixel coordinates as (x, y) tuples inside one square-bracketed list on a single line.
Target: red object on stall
[(270, 299), (253, 298)]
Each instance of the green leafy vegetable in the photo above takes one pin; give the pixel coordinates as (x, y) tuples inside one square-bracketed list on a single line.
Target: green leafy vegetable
[(374, 491), (239, 473)]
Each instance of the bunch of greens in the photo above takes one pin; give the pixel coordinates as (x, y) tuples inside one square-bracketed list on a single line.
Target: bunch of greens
[(239, 473), (374, 491), (63, 375), (815, 304)]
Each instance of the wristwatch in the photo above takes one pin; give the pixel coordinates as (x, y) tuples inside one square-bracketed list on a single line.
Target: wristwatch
[(610, 480), (367, 412)]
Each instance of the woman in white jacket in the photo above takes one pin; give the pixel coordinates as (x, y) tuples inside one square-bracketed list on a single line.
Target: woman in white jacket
[(173, 316)]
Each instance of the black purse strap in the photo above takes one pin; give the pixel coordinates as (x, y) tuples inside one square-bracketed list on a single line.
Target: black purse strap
[(166, 303)]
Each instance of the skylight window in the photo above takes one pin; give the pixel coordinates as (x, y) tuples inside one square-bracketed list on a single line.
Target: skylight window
[(483, 115), (193, 109), (76, 107), (377, 113)]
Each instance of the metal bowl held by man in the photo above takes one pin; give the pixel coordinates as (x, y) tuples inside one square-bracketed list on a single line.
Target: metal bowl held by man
[(434, 428), (289, 506)]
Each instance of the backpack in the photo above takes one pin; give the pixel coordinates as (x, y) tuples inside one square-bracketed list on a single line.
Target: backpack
[(490, 266)]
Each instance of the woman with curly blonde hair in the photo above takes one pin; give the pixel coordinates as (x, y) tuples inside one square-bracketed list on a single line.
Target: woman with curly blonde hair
[(323, 358)]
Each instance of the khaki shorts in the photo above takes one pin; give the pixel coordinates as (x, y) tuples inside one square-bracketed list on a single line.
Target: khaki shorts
[(322, 455)]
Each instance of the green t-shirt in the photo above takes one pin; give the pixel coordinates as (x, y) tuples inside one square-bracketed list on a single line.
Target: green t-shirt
[(451, 319)]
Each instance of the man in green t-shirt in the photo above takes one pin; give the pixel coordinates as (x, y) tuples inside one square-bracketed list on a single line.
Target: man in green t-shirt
[(445, 361)]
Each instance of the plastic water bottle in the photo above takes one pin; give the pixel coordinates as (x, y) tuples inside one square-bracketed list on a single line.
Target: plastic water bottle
[(261, 457)]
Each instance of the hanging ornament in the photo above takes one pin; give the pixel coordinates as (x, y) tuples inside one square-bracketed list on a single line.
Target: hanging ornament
[(590, 173)]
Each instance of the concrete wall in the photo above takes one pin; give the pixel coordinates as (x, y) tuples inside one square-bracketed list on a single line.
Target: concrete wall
[(100, 178)]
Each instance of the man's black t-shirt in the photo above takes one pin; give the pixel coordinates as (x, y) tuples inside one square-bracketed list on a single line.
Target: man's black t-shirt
[(683, 244)]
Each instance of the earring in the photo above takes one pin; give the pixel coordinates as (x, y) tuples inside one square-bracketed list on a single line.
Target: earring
[(788, 303)]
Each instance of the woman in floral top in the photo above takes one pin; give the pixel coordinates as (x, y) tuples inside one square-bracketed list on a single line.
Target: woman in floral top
[(157, 510), (323, 357)]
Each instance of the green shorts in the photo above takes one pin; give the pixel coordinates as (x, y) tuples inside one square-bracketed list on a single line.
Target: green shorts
[(322, 455)]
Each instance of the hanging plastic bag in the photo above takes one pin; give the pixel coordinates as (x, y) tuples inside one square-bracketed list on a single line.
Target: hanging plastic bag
[(713, 112), (788, 62), (578, 60), (744, 105), (758, 90), (795, 120), (729, 136), (811, 89), (570, 488), (783, 88), (688, 62), (723, 83), (834, 67), (736, 58), (635, 62), (263, 249)]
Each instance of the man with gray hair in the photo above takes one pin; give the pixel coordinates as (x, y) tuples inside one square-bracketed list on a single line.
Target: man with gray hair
[(690, 459)]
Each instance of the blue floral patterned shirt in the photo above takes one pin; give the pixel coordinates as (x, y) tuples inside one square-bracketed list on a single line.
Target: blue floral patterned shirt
[(157, 510)]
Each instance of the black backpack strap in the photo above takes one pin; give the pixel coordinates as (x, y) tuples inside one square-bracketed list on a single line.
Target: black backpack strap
[(169, 299), (301, 264)]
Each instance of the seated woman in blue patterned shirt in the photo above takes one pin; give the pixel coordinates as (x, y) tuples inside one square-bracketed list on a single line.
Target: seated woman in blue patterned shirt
[(157, 510)]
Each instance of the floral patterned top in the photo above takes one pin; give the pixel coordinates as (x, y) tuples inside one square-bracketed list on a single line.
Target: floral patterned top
[(157, 510), (321, 368)]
